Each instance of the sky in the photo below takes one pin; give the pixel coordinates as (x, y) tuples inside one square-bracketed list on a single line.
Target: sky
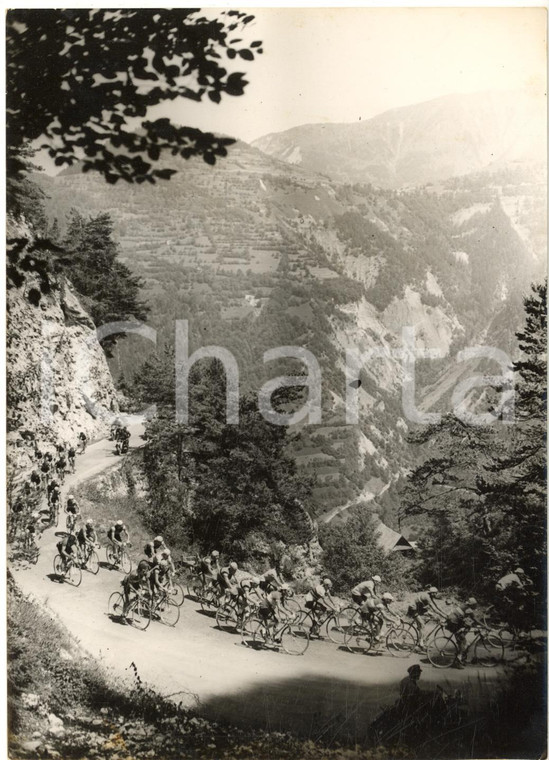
[(345, 64)]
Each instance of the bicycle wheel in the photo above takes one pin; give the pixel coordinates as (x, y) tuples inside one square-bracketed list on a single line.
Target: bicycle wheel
[(195, 587), (294, 639), (225, 617), (292, 606), (337, 625), (357, 639), (92, 563), (56, 515), (116, 605), (313, 628), (489, 650), (58, 565), (138, 614), (442, 652), (125, 562), (208, 599), (168, 613), (74, 576), (177, 595), (259, 634), (400, 642), (511, 645)]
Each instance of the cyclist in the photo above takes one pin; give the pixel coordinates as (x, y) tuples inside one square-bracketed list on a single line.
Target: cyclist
[(270, 581), (209, 567), (52, 485), (30, 530), (82, 441), (159, 545), (366, 589), (71, 456), (55, 500), (35, 479), (87, 538), (135, 584), (73, 512), (166, 570), (226, 581), (118, 535), (459, 622), (422, 604), (68, 550), (271, 612), (371, 616), (318, 601), (45, 469), (387, 614), (61, 466)]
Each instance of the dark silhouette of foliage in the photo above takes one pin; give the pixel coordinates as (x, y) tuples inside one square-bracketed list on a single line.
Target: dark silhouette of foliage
[(109, 290), (482, 490), (83, 80)]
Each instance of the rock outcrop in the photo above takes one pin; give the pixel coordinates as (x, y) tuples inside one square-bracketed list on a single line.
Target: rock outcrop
[(58, 380)]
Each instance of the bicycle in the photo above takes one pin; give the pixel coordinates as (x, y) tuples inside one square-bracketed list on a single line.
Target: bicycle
[(69, 572), (136, 613), (486, 646), (176, 593), (290, 635), (71, 520), (335, 622), (118, 558), (361, 636)]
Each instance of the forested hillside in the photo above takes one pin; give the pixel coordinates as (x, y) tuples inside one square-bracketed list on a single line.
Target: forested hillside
[(256, 254)]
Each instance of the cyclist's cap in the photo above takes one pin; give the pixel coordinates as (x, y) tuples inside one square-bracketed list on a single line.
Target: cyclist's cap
[(326, 582), (519, 571), (388, 597), (471, 601), (233, 566), (284, 587), (414, 669), (166, 553), (254, 581), (36, 514), (432, 590), (376, 578), (119, 522), (159, 540), (215, 553), (70, 496), (246, 582), (89, 521)]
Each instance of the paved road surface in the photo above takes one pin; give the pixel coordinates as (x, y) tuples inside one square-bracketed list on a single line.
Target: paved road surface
[(327, 693)]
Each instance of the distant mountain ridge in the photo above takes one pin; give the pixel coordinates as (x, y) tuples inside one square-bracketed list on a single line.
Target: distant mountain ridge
[(427, 142)]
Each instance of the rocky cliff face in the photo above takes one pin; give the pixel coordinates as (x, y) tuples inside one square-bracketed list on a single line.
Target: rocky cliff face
[(58, 381)]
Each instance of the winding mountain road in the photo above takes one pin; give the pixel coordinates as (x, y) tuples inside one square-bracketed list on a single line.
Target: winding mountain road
[(326, 694)]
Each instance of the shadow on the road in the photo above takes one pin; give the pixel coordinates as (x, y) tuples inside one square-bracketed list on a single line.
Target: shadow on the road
[(329, 710), (206, 613), (54, 577)]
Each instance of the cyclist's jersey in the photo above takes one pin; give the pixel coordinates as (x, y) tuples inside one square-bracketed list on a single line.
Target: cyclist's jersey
[(366, 588), (225, 579), (55, 495), (52, 484), (420, 605), (68, 543), (316, 594), (61, 464), (133, 582), (269, 604), (72, 507), (370, 608), (244, 588), (45, 467), (35, 477), (116, 532), (86, 534), (72, 453), (269, 582)]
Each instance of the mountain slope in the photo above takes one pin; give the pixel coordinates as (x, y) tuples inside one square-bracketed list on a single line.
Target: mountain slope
[(427, 142), (256, 254)]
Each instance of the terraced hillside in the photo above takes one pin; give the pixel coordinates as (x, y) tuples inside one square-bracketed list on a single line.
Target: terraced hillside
[(256, 253)]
